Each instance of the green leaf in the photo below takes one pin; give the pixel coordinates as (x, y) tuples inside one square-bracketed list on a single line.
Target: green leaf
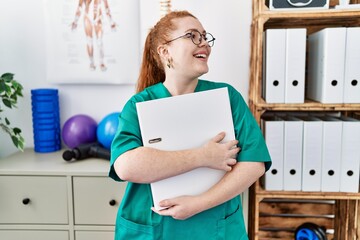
[(14, 84), (19, 92), (7, 103), (14, 98), (7, 121), (17, 130), (2, 87), (8, 76), (21, 145), (15, 141), (7, 89)]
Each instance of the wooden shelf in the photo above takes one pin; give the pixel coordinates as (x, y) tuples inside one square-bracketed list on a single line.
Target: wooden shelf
[(262, 212), (314, 21), (317, 15), (307, 195), (260, 9), (309, 105)]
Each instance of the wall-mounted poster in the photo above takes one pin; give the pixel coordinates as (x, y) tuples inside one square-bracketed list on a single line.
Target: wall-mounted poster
[(92, 41)]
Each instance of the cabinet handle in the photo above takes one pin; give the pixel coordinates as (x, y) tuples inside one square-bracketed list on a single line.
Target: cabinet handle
[(112, 202), (26, 201)]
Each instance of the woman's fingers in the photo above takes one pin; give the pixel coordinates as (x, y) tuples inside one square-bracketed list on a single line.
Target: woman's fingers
[(234, 151), (231, 161), (232, 143), (218, 138)]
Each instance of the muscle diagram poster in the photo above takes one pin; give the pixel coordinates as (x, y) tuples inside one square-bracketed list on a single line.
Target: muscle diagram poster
[(92, 41)]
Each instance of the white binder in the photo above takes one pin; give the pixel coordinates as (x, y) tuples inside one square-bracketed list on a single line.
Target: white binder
[(352, 66), (273, 128), (295, 65), (274, 65), (185, 122), (331, 159), (293, 130), (312, 154), (350, 155), (326, 65)]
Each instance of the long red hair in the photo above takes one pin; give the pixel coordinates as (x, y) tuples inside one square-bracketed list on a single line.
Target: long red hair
[(152, 69)]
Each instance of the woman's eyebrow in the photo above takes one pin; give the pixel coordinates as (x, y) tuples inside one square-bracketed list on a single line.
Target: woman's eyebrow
[(194, 29)]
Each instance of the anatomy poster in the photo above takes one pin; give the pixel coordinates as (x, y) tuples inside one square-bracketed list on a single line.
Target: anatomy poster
[(92, 41)]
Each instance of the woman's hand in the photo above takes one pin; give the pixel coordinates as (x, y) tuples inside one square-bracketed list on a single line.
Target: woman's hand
[(218, 155), (180, 208)]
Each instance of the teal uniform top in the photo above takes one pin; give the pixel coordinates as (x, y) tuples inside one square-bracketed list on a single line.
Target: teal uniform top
[(136, 220)]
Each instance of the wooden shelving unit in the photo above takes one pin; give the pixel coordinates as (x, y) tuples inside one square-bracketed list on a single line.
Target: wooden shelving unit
[(276, 214)]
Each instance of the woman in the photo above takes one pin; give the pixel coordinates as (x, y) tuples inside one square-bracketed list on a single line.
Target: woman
[(176, 52)]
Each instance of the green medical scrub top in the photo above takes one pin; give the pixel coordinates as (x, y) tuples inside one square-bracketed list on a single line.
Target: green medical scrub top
[(136, 220)]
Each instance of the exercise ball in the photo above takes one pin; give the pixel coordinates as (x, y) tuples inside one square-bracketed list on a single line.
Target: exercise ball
[(79, 129), (107, 128)]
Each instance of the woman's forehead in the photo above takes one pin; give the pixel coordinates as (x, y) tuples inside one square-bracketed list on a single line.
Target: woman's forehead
[(186, 24)]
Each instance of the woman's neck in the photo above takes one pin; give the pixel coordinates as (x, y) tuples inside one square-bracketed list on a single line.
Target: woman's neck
[(177, 86)]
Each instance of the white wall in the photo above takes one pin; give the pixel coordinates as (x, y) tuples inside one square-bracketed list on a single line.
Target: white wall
[(22, 51)]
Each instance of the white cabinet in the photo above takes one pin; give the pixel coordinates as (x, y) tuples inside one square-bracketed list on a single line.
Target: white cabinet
[(33, 200), (89, 235), (96, 200), (34, 235), (43, 197)]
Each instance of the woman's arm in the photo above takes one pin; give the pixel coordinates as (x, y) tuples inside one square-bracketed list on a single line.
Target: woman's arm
[(146, 165), (242, 176)]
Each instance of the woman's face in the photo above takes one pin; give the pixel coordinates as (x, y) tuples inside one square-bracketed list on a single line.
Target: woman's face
[(189, 60)]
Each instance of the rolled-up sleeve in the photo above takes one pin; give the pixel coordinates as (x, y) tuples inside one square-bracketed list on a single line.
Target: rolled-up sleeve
[(127, 137), (247, 132)]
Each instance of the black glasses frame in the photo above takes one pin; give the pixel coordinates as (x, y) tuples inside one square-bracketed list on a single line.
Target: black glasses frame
[(191, 36)]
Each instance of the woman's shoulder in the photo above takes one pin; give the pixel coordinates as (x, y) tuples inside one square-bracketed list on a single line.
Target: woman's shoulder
[(235, 95), (208, 85), (148, 93), (213, 84)]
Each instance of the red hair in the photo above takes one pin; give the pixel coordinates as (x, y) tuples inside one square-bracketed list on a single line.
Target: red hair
[(152, 69)]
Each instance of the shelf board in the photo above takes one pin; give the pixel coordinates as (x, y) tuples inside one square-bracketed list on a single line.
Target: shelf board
[(309, 105), (325, 13), (261, 193), (329, 17)]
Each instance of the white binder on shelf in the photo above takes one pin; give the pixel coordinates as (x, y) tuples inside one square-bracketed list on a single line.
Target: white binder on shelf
[(293, 139), (326, 65), (350, 155), (331, 157), (312, 154), (295, 65), (185, 122), (274, 65), (352, 66), (273, 129)]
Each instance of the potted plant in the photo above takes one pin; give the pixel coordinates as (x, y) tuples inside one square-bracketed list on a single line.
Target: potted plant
[(10, 90)]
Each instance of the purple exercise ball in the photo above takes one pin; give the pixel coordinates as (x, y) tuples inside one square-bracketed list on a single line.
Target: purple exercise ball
[(79, 129)]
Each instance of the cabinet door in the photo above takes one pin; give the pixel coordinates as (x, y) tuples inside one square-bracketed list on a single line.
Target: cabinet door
[(34, 235), (94, 235), (96, 200), (33, 200)]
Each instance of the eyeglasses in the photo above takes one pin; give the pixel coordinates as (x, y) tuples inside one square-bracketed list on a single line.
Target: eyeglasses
[(197, 38)]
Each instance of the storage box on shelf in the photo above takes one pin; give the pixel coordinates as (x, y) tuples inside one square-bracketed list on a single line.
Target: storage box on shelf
[(276, 214), (44, 197)]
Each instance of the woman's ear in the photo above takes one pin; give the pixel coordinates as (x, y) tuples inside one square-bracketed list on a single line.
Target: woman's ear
[(163, 52)]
